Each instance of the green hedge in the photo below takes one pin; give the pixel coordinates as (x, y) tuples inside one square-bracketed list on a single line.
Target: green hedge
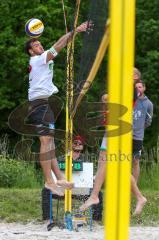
[(14, 173)]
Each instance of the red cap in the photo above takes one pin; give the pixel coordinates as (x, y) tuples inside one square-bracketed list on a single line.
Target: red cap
[(79, 138)]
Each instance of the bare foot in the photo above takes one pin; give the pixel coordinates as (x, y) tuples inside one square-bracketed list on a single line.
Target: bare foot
[(91, 201), (65, 184), (139, 206), (54, 189)]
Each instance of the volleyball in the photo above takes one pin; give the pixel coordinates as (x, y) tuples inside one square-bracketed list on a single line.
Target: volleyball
[(34, 27)]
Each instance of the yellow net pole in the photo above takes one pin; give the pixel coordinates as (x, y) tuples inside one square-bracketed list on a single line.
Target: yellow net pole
[(127, 99), (120, 88), (69, 106), (69, 128)]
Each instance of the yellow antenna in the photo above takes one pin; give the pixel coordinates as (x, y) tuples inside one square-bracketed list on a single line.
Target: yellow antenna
[(99, 57)]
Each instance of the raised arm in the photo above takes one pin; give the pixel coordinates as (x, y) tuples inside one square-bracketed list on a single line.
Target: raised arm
[(64, 40)]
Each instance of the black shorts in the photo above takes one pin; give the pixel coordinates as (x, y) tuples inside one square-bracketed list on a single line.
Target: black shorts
[(41, 117), (137, 148)]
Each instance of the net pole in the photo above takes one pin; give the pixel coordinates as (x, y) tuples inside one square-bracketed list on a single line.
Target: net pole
[(69, 129), (120, 88), (69, 106), (126, 100)]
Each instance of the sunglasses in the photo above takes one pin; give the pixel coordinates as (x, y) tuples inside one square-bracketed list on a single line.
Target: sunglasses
[(77, 142), (77, 151)]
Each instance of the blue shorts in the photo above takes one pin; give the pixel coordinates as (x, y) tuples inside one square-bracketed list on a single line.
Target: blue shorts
[(41, 117)]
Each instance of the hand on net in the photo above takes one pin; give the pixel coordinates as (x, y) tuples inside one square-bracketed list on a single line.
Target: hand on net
[(86, 26)]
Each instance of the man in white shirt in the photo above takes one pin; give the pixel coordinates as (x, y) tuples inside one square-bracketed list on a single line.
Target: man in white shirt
[(40, 114)]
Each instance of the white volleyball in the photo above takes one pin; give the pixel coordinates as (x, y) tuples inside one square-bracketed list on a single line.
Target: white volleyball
[(34, 27)]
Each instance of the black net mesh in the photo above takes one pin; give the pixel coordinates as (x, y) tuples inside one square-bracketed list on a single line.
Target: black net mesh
[(98, 14)]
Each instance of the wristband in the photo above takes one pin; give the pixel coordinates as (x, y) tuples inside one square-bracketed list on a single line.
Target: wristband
[(53, 51)]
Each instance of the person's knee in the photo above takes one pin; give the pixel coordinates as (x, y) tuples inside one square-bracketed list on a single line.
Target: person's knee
[(132, 180)]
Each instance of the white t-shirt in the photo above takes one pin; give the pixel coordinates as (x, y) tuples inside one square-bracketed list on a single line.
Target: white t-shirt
[(40, 77)]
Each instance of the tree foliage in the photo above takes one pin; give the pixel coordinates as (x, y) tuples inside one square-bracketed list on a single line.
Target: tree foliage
[(147, 56), (14, 62)]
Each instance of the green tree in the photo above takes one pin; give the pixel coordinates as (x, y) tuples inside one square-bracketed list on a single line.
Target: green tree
[(147, 57)]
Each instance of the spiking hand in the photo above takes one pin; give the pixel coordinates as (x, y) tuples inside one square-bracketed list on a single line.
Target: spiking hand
[(86, 26)]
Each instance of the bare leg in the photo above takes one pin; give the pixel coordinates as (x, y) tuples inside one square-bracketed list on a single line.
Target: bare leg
[(54, 163), (136, 168), (61, 181), (99, 180), (141, 200), (45, 162)]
